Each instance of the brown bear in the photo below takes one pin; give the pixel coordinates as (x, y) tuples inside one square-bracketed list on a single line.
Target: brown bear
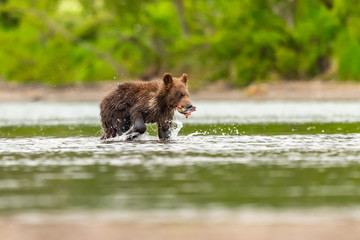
[(131, 105)]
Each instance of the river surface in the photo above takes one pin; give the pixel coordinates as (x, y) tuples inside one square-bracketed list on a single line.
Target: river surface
[(226, 154)]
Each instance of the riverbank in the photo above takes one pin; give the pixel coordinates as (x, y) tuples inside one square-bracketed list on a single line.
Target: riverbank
[(327, 224), (284, 90)]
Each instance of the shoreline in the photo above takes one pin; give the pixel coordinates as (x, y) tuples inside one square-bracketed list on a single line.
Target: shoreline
[(314, 90), (256, 224)]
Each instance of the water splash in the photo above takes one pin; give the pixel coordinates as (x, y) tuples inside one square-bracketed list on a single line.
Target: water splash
[(125, 138), (177, 126), (174, 132), (197, 133)]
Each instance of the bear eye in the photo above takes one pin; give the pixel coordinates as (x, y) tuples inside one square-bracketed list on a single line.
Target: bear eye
[(182, 95)]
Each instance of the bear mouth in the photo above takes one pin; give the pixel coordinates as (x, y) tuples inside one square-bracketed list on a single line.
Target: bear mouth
[(186, 110)]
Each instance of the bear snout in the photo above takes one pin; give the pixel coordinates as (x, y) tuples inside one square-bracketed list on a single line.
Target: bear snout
[(191, 108), (186, 107)]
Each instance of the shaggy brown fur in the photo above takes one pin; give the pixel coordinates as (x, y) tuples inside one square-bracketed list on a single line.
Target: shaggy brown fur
[(131, 105)]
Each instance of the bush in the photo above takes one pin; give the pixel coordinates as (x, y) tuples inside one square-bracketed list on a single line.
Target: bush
[(61, 42)]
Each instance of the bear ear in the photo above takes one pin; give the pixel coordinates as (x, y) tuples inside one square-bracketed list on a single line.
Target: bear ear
[(184, 78), (168, 80)]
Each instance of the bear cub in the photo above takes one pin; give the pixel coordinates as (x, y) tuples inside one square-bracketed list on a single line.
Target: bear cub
[(131, 105)]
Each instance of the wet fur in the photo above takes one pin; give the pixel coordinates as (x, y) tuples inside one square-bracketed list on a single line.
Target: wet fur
[(131, 105)]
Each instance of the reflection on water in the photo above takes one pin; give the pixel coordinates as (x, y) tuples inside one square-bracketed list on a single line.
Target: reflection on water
[(282, 154), (192, 171)]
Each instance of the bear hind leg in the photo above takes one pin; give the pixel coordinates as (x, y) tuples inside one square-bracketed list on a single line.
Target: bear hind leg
[(124, 126), (117, 124), (120, 122), (108, 131)]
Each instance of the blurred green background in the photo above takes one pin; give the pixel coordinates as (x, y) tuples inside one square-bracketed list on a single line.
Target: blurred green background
[(59, 42)]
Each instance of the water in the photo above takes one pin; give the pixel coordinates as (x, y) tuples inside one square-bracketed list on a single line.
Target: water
[(227, 154), (208, 113)]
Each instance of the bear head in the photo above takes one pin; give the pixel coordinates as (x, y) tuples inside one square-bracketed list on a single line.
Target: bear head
[(177, 91)]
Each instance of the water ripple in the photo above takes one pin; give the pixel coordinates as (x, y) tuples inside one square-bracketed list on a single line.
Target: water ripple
[(336, 148)]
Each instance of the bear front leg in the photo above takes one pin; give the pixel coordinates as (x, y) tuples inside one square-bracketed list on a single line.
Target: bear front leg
[(164, 131), (137, 129)]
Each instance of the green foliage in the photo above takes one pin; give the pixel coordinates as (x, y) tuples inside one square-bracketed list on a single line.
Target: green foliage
[(60, 42), (348, 53)]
